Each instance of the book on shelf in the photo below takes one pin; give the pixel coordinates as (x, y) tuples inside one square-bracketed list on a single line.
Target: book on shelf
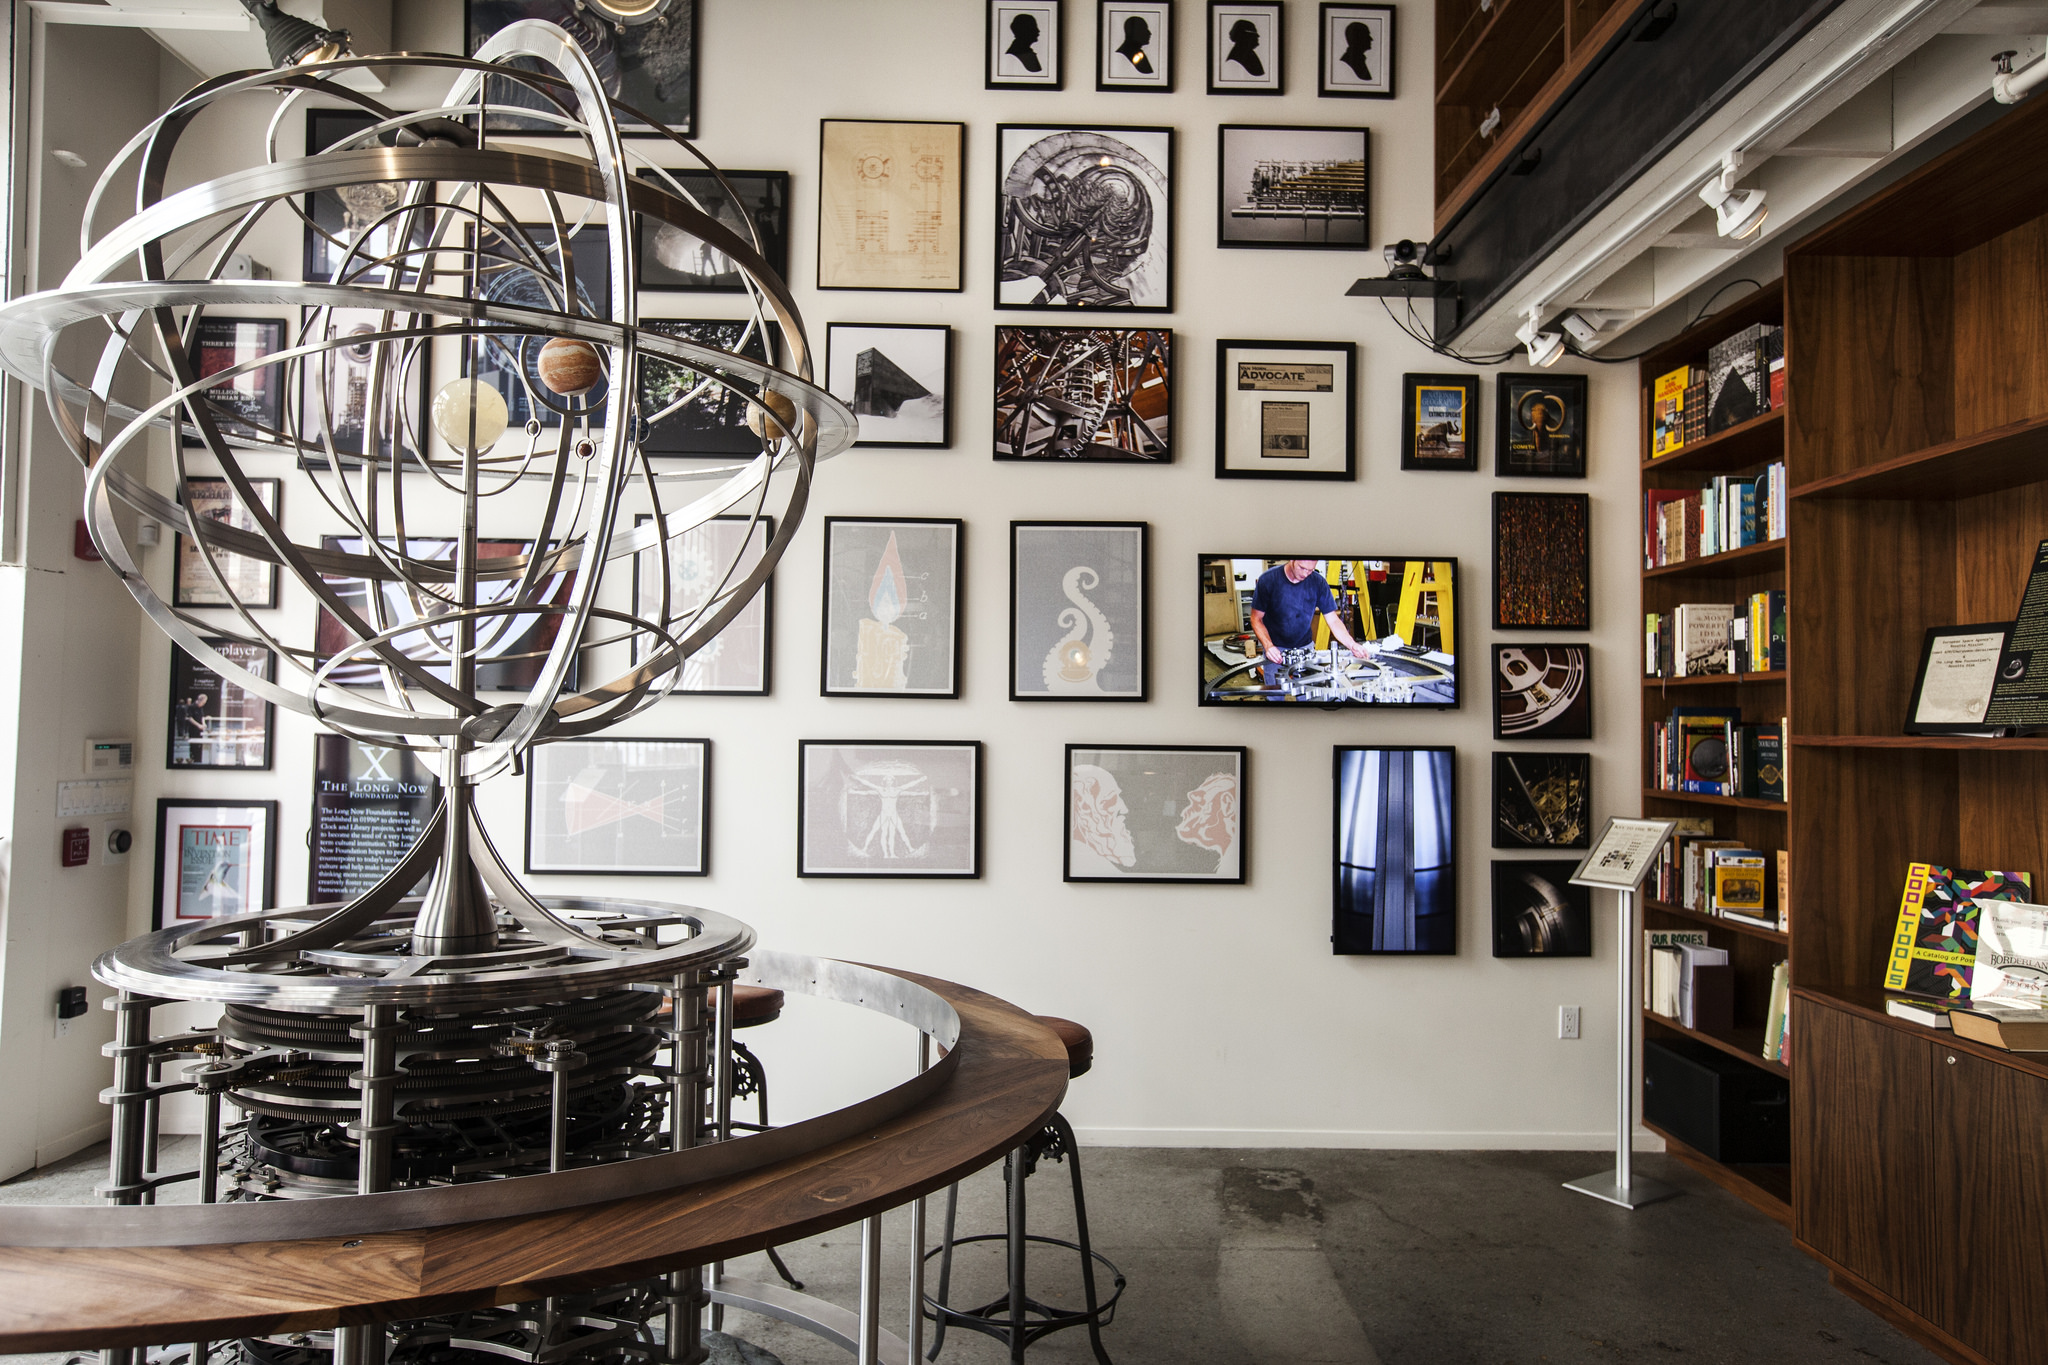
[(1927, 1013), (1665, 876), (1702, 632), (1760, 762), (1696, 406), (1738, 887), (1934, 939), (2012, 954), (1784, 890), (1726, 513), (1739, 375), (2016, 1029), (1706, 989), (1774, 1013), (1664, 973), (1667, 422), (1665, 940)]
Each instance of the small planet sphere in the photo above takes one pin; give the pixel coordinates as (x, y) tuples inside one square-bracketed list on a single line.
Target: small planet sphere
[(772, 428), (452, 407), (569, 367)]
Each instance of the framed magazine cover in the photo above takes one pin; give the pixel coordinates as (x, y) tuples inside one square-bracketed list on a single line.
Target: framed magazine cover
[(214, 723), (1171, 813), (254, 581), (213, 858), (888, 808), (1440, 421), (619, 807), (1541, 426), (1078, 619)]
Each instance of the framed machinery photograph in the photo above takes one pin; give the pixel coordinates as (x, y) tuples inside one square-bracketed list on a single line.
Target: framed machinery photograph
[(1396, 850), (689, 417), (1542, 691), (1440, 421), (1355, 52), (1538, 912), (1023, 45), (1166, 814), (213, 858), (625, 806), (889, 808), (1284, 187), (1078, 610), (892, 604), (1542, 800), (891, 204), (1096, 394), (1134, 45), (1286, 410), (1052, 251), (1247, 47), (898, 379), (671, 260), (1542, 561)]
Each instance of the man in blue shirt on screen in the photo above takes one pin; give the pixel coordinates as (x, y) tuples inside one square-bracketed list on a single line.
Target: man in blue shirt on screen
[(1285, 603)]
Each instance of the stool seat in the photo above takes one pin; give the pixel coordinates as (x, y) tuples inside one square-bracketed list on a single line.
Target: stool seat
[(1079, 1041), (753, 1005)]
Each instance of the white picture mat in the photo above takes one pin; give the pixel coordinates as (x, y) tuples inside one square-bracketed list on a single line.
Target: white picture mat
[(1328, 413), (1007, 69), (1227, 75), (920, 352), (1113, 68), (1379, 58), (240, 894), (618, 805)]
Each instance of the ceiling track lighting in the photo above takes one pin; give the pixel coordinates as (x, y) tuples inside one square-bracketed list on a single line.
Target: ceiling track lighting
[(1737, 213), (292, 41), (1546, 347)]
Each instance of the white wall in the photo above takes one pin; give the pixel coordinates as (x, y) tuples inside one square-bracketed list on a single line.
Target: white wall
[(1220, 1015)]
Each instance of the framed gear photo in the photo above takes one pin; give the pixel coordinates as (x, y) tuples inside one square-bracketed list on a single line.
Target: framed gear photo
[(1101, 394), (1084, 218), (1542, 691), (1542, 800), (1542, 426)]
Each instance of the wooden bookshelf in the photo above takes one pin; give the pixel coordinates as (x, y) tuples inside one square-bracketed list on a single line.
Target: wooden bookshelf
[(1744, 1044), (1716, 679), (1757, 441), (1703, 799), (1733, 926), (1767, 557), (1767, 1188)]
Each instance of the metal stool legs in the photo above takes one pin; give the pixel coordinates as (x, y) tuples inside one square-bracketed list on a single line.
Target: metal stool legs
[(1016, 1319), (749, 1077)]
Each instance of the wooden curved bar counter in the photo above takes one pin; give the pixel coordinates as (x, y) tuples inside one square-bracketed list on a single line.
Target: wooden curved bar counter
[(1010, 1076)]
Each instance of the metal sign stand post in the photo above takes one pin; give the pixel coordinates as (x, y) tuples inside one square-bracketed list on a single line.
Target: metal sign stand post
[(1622, 856)]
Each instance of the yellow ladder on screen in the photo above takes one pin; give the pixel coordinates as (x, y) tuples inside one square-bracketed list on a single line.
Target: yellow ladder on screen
[(1426, 597)]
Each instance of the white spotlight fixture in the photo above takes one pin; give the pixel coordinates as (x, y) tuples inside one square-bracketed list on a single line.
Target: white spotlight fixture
[(1737, 213), (1545, 347)]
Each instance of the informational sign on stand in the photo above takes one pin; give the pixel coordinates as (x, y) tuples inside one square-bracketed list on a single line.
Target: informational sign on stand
[(370, 802), (1623, 855)]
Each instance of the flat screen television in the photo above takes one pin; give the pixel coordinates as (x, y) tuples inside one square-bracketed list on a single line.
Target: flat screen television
[(1323, 631)]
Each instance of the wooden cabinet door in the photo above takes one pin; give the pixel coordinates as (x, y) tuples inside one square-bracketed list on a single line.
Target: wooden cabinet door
[(1866, 1192), (1991, 1171)]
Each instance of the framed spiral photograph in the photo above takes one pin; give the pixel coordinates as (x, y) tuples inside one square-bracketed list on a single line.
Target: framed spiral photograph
[(1084, 218)]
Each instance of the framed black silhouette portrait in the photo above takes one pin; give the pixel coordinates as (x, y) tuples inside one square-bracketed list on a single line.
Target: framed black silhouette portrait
[(1024, 45), (1134, 45), (1247, 48), (1355, 52)]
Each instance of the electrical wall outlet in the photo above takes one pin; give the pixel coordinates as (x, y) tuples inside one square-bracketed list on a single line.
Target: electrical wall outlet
[(1568, 1022)]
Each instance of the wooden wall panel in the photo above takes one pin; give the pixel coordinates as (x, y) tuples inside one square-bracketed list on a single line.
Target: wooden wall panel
[(2002, 813), (1872, 359), (1995, 540), (1991, 1157), (2001, 330)]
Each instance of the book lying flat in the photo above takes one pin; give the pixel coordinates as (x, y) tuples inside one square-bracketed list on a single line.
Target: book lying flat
[(2015, 1030), (1928, 1013)]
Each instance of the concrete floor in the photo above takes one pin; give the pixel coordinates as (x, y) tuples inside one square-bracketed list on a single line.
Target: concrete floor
[(1364, 1258)]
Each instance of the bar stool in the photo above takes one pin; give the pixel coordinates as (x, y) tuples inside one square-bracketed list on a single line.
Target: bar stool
[(1016, 1318), (753, 1006)]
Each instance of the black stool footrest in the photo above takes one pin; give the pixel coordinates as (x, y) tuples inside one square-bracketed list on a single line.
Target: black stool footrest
[(993, 1318)]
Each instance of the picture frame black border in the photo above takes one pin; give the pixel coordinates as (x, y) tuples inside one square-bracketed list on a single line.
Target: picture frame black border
[(640, 253), (1364, 707), (773, 345), (825, 688), (1144, 529), (1172, 387), (1502, 757), (696, 22), (803, 748), (1223, 132), (1580, 894), (272, 344), (1244, 820), (1585, 502), (946, 443), (312, 454), (1411, 384), (1278, 47), (1103, 84), (1172, 218), (171, 763), (1585, 647), (1576, 390), (314, 843), (1056, 48), (959, 215), (1913, 727), (1323, 90), (703, 825), (767, 616), (275, 509), (1450, 868), (166, 804), (1349, 349)]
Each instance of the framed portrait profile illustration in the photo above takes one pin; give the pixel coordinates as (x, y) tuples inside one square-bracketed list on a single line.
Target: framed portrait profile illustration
[(1174, 813), (1542, 561), (672, 260), (1247, 48), (736, 661), (892, 602), (890, 201), (1397, 850), (650, 63), (1045, 257), (1284, 187), (1542, 691), (1542, 800), (213, 858), (888, 808), (250, 405), (1542, 426), (253, 581), (1440, 421), (1286, 410), (213, 722), (1100, 394), (1537, 912), (1355, 52), (898, 379), (1078, 619), (1022, 47), (619, 807), (1134, 45)]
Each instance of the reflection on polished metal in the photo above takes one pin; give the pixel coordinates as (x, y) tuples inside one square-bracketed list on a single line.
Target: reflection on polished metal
[(401, 1061)]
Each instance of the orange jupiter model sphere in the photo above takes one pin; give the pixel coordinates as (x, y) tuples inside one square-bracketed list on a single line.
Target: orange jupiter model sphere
[(569, 367)]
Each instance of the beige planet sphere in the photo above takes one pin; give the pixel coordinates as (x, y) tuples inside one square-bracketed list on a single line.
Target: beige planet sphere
[(569, 367), (772, 428)]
